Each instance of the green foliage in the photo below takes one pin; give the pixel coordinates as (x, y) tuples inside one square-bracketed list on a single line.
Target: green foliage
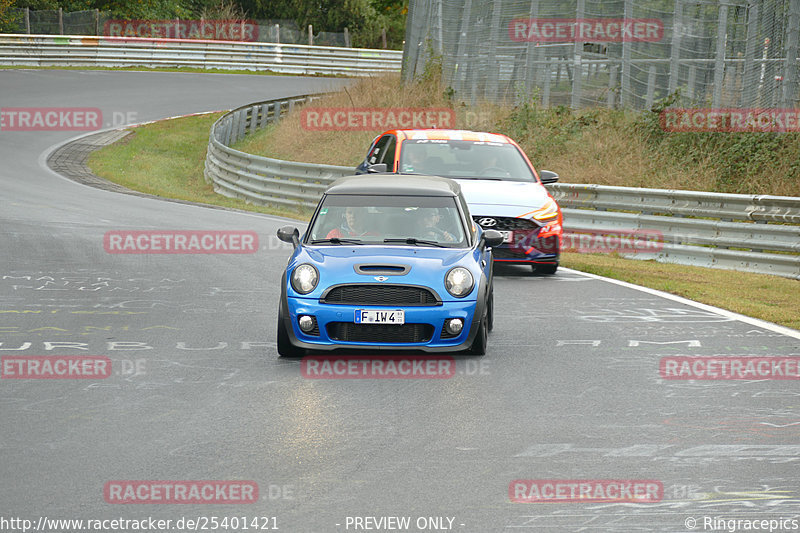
[(364, 19), (735, 156), (548, 129), (7, 24), (432, 69)]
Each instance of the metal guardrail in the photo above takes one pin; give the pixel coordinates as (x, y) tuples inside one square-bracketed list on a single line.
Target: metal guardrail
[(80, 51), (750, 233), (262, 180)]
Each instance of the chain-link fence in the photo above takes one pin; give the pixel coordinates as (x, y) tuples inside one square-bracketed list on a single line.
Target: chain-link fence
[(610, 52), (94, 22)]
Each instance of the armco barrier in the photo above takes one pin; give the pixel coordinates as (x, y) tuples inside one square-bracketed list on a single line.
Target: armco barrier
[(81, 51), (261, 180), (732, 231)]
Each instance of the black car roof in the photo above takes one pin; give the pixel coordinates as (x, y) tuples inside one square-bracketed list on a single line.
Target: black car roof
[(393, 184)]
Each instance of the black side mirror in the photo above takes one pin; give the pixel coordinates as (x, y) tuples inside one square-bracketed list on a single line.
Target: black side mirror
[(377, 168), (492, 238), (289, 234), (548, 176)]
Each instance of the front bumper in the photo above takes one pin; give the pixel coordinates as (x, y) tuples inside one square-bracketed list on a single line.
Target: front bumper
[(541, 251), (336, 323)]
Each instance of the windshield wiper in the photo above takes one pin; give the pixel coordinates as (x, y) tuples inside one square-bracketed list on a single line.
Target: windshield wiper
[(412, 240), (337, 240)]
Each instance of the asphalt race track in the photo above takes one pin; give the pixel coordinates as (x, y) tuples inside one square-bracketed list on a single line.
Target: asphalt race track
[(570, 388)]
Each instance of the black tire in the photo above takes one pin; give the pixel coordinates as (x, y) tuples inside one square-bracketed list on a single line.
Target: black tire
[(285, 346), (481, 339), (548, 270), (490, 310)]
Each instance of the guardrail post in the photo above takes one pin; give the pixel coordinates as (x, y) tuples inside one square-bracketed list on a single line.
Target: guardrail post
[(346, 37), (97, 22), (264, 115), (310, 35), (241, 124), (383, 38), (61, 21), (253, 118), (28, 20), (277, 33), (276, 111)]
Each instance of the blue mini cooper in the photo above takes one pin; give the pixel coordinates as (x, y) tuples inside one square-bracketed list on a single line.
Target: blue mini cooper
[(388, 264)]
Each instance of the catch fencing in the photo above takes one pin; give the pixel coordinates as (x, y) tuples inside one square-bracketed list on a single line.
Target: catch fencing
[(731, 231), (615, 53)]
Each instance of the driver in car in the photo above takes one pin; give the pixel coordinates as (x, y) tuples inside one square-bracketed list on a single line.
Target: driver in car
[(431, 231), (354, 225), (413, 161)]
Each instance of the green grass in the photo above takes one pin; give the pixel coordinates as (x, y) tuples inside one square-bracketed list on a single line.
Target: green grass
[(166, 159)]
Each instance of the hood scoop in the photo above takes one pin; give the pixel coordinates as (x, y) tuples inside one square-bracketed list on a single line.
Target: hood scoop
[(375, 269)]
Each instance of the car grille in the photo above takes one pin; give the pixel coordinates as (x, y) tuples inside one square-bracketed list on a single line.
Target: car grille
[(383, 333), (375, 294), (508, 253), (507, 223)]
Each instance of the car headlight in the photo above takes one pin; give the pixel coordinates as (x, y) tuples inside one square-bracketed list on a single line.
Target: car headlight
[(548, 211), (305, 278), (458, 282)]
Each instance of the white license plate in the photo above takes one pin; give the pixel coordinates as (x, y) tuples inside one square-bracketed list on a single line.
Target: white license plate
[(380, 316), (508, 236)]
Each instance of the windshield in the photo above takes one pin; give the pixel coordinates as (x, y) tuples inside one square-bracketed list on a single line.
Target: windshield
[(464, 159), (405, 220)]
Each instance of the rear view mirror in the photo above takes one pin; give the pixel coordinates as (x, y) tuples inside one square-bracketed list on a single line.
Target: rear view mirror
[(377, 168), (548, 176), (492, 238), (289, 234)]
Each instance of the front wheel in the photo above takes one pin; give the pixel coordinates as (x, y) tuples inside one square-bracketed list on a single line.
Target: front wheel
[(490, 310), (545, 269), (481, 340), (285, 346)]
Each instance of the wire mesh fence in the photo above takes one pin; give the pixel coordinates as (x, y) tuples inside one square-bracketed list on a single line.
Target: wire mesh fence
[(629, 53)]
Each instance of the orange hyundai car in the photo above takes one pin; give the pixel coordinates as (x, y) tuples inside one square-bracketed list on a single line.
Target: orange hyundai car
[(503, 189)]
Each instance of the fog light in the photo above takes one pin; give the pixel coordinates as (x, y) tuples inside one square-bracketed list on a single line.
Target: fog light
[(454, 326), (306, 323)]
